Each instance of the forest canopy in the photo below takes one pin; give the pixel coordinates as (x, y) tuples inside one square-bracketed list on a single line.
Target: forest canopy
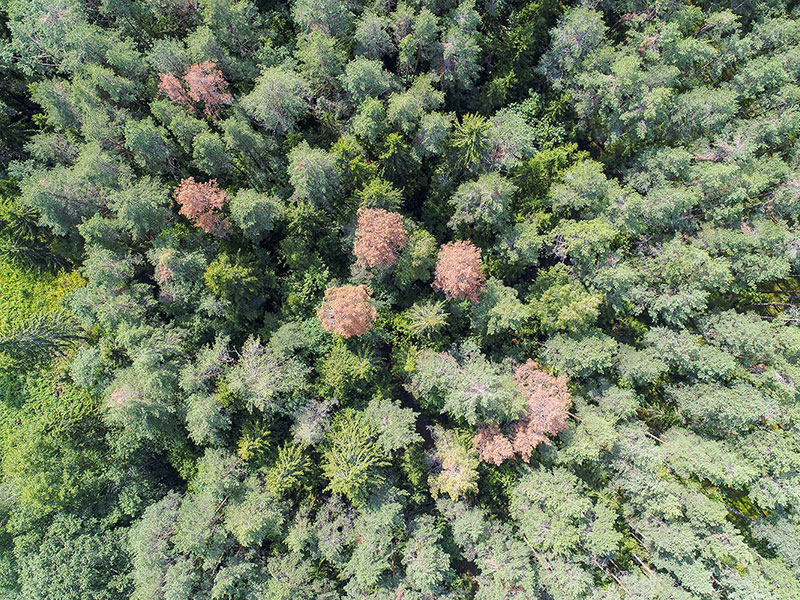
[(399, 299)]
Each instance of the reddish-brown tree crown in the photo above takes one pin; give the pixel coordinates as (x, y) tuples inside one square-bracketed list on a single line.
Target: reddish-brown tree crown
[(206, 84), (493, 447), (548, 400), (380, 236), (347, 310), (172, 88), (459, 271), (202, 204)]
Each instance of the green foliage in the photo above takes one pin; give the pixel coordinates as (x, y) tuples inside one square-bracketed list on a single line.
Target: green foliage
[(545, 168), (346, 372), (364, 78), (266, 379), (255, 214), (352, 459), (482, 203), (329, 16), (627, 174), (678, 281), (501, 557), (379, 193), (584, 190), (424, 320), (322, 60), (427, 564), (562, 303), (48, 449), (288, 471), (395, 425), (206, 419), (278, 100), (238, 283), (142, 207), (500, 311), (371, 36), (64, 195), (406, 110), (640, 367), (518, 247), (377, 527), (72, 562), (690, 355), (149, 144), (33, 324), (454, 465), (585, 243), (467, 386), (23, 242), (369, 123), (556, 516), (42, 338), (211, 156), (471, 140), (581, 355), (417, 259), (314, 174), (399, 163)]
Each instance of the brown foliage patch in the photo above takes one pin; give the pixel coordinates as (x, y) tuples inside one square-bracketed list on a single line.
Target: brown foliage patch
[(347, 310), (492, 446), (172, 88), (119, 397), (548, 401), (206, 84), (380, 236), (163, 273), (459, 271), (202, 204)]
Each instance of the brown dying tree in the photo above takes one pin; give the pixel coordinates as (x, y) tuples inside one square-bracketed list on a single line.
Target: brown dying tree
[(202, 204), (493, 447), (206, 85), (347, 310), (548, 400), (172, 88), (380, 235), (459, 271)]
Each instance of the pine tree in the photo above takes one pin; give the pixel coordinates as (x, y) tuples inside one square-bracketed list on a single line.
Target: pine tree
[(352, 460), (42, 338)]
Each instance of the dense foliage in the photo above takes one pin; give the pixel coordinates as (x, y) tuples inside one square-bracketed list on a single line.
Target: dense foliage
[(470, 300)]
